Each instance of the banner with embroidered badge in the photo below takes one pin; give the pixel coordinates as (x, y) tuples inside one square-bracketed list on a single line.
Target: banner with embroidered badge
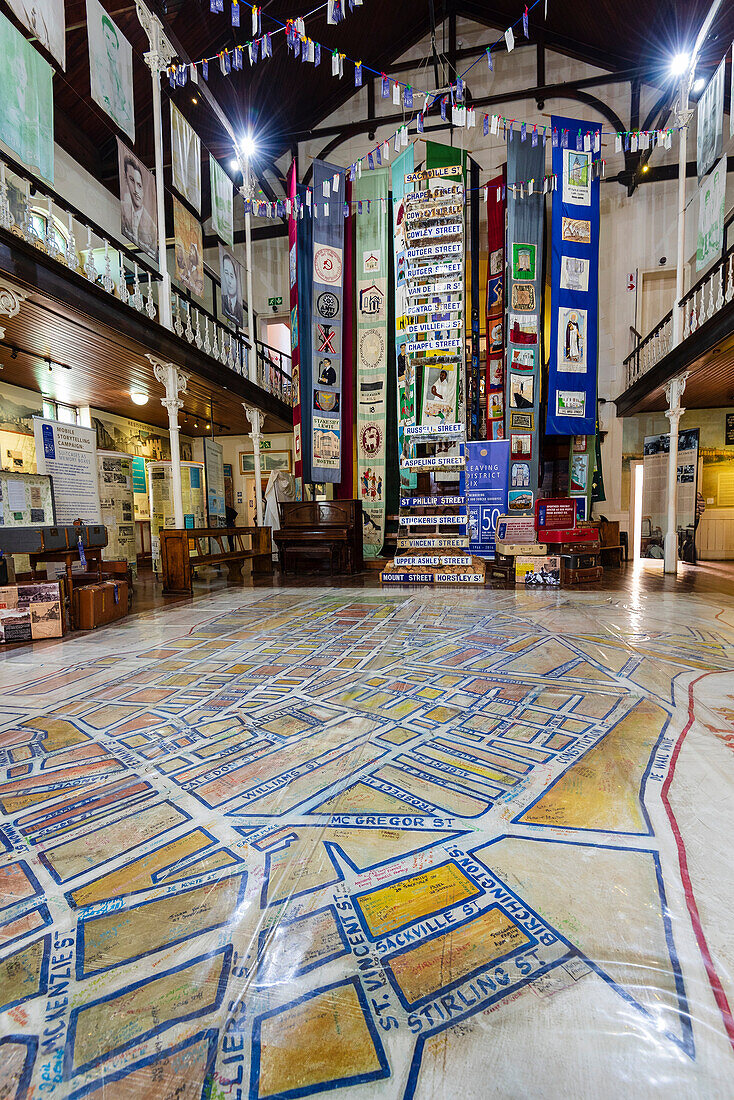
[(402, 166), (524, 303), (371, 270), (327, 305), (572, 356), (495, 310)]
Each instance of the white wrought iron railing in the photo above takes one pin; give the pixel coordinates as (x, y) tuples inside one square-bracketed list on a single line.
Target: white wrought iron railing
[(36, 214)]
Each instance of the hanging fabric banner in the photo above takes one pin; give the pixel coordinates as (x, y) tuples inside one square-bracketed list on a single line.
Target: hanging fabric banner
[(371, 269), (495, 379), (304, 273), (525, 207), (402, 166), (347, 487), (475, 387), (572, 355), (327, 305), (295, 342)]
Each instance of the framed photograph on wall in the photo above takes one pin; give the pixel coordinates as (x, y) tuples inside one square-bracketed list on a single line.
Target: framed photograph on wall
[(270, 461)]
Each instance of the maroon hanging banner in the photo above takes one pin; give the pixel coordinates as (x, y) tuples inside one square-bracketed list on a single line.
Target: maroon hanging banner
[(495, 381)]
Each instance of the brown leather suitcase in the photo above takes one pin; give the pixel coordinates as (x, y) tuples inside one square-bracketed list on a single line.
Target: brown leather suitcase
[(98, 604)]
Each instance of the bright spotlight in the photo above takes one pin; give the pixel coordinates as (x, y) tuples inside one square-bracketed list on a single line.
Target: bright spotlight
[(698, 84), (234, 165), (247, 145), (679, 64)]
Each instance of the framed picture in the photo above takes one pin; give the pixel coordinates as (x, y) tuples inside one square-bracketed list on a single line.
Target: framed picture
[(521, 445), (270, 461), (523, 262), (521, 420)]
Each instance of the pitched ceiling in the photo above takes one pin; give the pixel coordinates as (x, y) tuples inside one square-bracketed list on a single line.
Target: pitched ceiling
[(283, 99)]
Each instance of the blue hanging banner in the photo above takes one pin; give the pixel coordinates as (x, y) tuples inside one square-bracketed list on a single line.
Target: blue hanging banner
[(487, 472), (572, 359)]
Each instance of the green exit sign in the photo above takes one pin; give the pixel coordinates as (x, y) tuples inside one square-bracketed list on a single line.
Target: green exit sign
[(274, 302)]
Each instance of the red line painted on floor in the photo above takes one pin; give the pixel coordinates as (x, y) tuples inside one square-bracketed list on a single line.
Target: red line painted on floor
[(713, 977)]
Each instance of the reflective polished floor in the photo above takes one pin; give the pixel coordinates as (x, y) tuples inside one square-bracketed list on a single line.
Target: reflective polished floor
[(276, 842)]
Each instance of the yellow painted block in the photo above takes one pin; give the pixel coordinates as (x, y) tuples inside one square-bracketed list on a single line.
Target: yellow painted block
[(410, 899)]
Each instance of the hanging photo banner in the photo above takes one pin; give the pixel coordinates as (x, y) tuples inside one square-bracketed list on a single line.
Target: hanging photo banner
[(710, 124), (711, 211), (402, 166), (222, 202), (185, 159), (327, 309), (46, 20), (138, 213), (572, 357), (293, 223), (230, 275), (495, 380), (524, 305), (110, 68), (26, 101), (304, 264), (188, 249), (371, 270)]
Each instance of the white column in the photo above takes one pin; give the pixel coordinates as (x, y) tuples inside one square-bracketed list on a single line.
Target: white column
[(682, 118), (256, 419), (174, 382), (158, 58), (673, 391), (247, 193)]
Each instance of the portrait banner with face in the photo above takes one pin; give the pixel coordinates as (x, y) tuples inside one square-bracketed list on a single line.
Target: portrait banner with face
[(573, 351), (138, 213), (710, 126), (711, 207), (46, 20), (222, 202), (110, 68), (439, 394), (185, 159), (189, 249), (26, 101), (230, 273)]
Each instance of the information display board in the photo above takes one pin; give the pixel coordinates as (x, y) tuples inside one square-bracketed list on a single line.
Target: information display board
[(214, 468), (118, 506), (68, 452), (160, 482), (26, 500), (487, 471)]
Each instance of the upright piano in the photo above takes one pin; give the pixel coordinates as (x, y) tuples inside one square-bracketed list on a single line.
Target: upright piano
[(321, 529)]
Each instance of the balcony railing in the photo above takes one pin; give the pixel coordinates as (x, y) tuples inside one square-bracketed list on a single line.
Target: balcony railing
[(37, 215), (702, 302)]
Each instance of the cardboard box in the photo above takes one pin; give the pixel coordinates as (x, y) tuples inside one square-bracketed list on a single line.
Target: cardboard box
[(534, 572)]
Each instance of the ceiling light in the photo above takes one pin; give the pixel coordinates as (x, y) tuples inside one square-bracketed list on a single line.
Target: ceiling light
[(234, 165), (208, 425), (14, 353), (646, 168), (196, 423), (138, 397), (194, 99), (679, 64), (698, 84), (247, 145)]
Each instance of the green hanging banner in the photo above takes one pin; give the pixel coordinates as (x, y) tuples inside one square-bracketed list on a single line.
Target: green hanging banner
[(370, 195)]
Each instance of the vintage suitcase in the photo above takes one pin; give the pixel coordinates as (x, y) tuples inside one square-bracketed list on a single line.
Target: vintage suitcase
[(581, 576), (99, 604), (580, 561)]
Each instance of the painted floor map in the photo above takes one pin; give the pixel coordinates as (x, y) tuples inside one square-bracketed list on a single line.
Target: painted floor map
[(409, 845)]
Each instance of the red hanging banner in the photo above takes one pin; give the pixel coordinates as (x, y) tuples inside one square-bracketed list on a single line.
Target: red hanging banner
[(495, 382)]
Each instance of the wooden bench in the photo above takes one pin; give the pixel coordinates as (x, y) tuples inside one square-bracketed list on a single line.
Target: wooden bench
[(330, 529), (248, 544)]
